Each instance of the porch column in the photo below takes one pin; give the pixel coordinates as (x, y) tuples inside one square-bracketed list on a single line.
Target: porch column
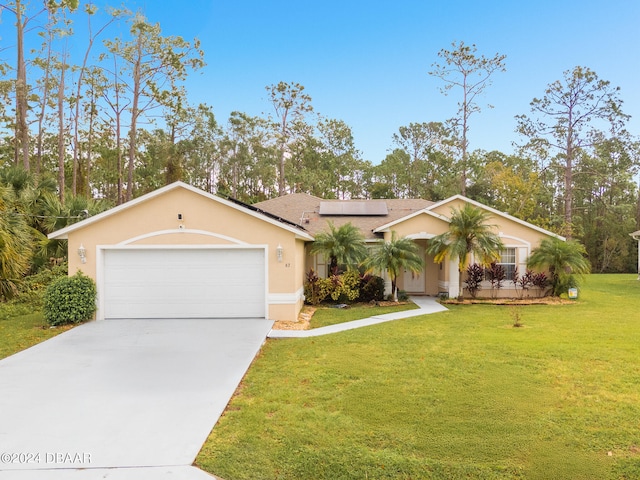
[(454, 278)]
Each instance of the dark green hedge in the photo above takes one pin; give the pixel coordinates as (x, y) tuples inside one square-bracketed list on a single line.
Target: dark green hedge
[(70, 300)]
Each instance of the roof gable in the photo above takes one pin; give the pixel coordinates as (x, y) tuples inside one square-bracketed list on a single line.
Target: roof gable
[(63, 233), (388, 226), (495, 212)]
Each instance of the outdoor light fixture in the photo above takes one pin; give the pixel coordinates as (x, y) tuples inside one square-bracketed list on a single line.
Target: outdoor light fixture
[(279, 252), (82, 253)]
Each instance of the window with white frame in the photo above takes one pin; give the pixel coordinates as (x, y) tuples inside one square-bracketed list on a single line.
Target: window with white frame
[(508, 262)]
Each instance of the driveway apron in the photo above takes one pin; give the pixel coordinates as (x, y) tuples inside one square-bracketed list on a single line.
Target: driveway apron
[(121, 393)]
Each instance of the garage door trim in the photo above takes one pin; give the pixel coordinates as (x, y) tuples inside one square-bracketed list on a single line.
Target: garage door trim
[(100, 265)]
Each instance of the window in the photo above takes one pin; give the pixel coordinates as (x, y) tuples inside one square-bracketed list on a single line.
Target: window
[(508, 262)]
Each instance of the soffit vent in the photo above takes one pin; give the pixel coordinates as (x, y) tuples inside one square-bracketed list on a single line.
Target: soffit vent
[(354, 208)]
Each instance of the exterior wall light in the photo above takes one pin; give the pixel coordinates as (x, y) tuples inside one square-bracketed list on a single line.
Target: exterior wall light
[(82, 253), (279, 252)]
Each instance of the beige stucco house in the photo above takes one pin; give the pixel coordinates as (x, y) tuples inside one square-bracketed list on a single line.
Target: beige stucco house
[(418, 219), (182, 252)]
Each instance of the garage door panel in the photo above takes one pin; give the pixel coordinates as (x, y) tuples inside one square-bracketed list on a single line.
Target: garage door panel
[(184, 283)]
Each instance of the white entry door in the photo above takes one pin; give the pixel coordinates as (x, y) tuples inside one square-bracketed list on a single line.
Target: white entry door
[(414, 282)]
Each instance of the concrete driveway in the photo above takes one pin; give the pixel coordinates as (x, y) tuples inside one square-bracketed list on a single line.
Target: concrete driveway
[(141, 394)]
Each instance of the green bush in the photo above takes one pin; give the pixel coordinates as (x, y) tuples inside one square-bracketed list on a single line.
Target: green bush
[(349, 286), (70, 300), (344, 288), (371, 288), (316, 289)]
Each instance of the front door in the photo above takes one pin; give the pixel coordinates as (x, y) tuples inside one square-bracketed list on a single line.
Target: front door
[(414, 282)]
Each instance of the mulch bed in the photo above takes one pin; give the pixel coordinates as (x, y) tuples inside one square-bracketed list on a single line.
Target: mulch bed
[(510, 301)]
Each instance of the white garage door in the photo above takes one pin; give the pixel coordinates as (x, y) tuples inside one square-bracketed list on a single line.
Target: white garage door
[(184, 283)]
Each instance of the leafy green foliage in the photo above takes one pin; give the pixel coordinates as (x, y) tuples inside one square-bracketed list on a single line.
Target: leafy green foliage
[(16, 245), (371, 288), (469, 232), (70, 300), (348, 287), (565, 261), (343, 245), (393, 257)]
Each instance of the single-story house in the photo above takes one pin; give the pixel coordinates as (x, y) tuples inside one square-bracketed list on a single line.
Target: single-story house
[(418, 219), (182, 252)]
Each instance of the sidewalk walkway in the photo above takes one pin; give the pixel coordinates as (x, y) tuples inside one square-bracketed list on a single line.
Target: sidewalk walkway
[(427, 305)]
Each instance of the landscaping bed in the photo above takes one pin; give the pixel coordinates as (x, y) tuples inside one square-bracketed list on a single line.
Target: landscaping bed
[(510, 301)]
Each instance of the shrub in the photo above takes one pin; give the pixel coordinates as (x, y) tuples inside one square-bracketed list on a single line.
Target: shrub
[(522, 283), (371, 288), (70, 300), (475, 274), (317, 289), (497, 276), (312, 289), (541, 281), (350, 285), (346, 287), (34, 286)]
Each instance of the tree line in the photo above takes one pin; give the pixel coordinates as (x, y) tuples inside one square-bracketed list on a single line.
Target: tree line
[(116, 122)]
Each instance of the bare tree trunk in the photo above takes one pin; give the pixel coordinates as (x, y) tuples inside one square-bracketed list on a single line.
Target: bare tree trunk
[(76, 160), (568, 182), (89, 151), (283, 152), (61, 131), (43, 104), (465, 127), (22, 129), (134, 118)]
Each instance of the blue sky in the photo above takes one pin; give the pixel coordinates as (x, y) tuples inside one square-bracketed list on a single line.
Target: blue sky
[(366, 62)]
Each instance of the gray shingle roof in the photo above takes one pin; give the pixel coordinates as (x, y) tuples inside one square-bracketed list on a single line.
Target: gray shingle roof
[(304, 209)]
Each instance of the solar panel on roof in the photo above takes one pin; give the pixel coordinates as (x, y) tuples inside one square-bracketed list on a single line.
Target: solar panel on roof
[(354, 207)]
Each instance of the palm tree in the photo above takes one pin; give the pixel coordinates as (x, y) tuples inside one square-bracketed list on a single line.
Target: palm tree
[(565, 261), (343, 246), (393, 257), (469, 233), (15, 244)]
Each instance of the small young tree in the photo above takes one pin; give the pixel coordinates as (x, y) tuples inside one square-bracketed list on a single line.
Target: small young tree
[(394, 256), (343, 246)]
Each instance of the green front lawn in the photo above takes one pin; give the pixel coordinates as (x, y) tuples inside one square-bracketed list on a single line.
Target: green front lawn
[(20, 332), (459, 394), (328, 315)]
